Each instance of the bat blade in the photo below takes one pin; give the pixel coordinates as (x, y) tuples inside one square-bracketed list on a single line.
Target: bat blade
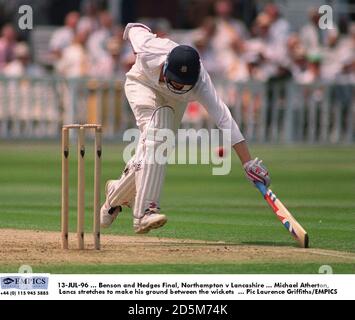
[(286, 218)]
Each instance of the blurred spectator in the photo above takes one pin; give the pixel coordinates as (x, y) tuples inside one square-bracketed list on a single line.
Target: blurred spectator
[(226, 23), (262, 58), (253, 65), (75, 60), (21, 65), (89, 22), (228, 35), (261, 30), (237, 64), (332, 62), (296, 57), (228, 29), (293, 45), (109, 66), (97, 42), (7, 45), (64, 36), (313, 37), (346, 50), (279, 27), (201, 39), (314, 70)]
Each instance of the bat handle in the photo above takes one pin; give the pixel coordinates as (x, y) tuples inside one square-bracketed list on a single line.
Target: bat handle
[(261, 187)]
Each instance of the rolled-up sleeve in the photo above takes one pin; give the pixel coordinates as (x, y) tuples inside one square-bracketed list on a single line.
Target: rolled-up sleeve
[(206, 94)]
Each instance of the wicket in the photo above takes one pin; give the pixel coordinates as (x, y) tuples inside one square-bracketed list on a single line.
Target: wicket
[(81, 184)]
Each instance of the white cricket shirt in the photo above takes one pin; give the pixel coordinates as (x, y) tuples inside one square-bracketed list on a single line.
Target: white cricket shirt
[(151, 53)]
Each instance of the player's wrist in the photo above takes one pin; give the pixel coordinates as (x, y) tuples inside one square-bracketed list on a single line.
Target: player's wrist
[(255, 171)]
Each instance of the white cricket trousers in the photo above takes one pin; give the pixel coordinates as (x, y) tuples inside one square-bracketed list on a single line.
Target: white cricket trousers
[(141, 182)]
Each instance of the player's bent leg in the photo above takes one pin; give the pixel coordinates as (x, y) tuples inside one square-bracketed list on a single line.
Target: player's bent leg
[(121, 192), (118, 193), (150, 177)]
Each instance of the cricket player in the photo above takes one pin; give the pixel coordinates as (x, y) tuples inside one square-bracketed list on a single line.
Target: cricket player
[(164, 78)]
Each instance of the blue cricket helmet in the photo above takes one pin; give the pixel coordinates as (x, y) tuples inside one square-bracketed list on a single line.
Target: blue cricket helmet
[(182, 66)]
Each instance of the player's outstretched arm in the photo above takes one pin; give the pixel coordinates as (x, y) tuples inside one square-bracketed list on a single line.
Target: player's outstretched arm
[(207, 95), (242, 151), (255, 171)]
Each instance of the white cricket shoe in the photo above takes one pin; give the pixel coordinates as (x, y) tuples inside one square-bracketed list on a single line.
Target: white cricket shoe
[(151, 220), (108, 214)]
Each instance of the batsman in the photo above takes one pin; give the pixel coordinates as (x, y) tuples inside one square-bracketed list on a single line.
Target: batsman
[(165, 77)]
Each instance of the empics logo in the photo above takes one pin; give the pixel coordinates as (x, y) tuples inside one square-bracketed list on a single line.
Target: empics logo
[(7, 281), (24, 283)]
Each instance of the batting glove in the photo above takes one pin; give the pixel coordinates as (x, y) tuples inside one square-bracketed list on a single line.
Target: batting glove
[(255, 171)]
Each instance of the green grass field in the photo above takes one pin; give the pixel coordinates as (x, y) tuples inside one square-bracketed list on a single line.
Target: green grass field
[(317, 184)]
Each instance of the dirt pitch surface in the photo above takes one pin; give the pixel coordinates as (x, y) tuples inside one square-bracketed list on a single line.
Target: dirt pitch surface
[(43, 248)]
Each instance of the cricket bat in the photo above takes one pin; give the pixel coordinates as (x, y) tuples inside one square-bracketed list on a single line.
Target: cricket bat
[(286, 218)]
